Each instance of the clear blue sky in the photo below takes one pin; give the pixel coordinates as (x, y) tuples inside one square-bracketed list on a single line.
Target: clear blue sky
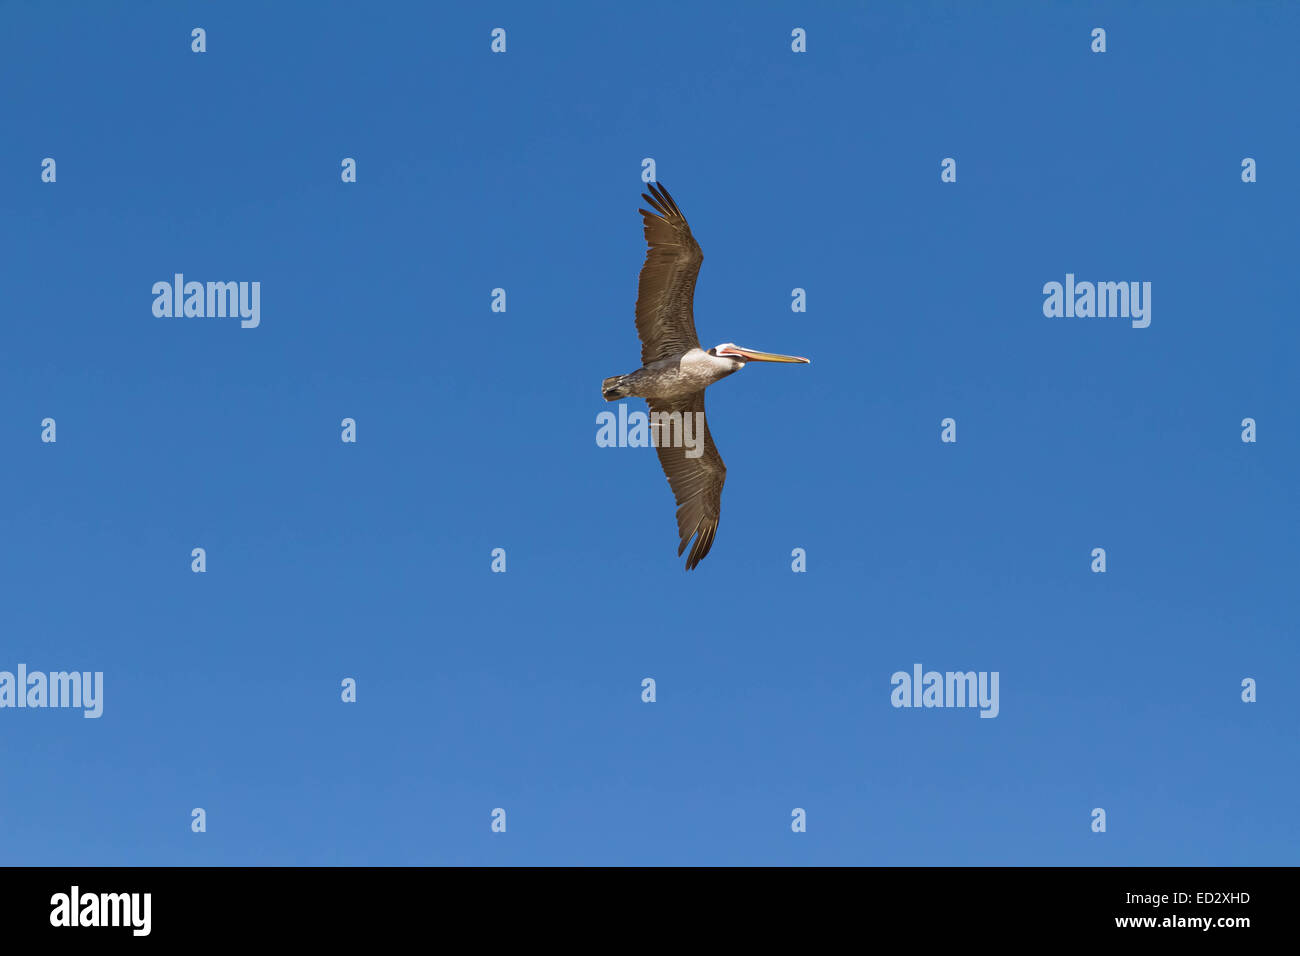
[(476, 430)]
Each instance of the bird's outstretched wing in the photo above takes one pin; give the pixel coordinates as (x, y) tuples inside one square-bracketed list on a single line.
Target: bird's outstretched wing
[(665, 319), (696, 482)]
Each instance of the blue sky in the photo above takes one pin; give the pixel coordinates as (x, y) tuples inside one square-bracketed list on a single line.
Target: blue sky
[(476, 430)]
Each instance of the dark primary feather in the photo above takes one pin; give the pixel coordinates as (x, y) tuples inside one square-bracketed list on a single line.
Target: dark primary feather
[(696, 482), (665, 319)]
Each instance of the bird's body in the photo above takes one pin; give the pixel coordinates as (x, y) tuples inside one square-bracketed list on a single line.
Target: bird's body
[(671, 378), (675, 370)]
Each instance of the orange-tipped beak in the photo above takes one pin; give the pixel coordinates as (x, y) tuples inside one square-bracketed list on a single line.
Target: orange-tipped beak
[(749, 355)]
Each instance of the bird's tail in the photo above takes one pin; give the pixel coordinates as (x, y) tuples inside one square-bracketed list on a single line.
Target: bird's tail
[(615, 387)]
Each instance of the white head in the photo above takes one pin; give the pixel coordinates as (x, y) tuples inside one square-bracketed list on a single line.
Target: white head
[(728, 350)]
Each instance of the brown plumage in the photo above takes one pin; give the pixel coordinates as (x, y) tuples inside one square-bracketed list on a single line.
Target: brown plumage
[(696, 482), (665, 318), (665, 323), (675, 371)]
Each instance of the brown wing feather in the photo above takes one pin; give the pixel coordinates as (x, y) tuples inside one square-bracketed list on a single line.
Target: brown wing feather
[(696, 482), (665, 319)]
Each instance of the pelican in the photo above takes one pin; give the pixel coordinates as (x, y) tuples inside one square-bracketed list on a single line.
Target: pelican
[(675, 371)]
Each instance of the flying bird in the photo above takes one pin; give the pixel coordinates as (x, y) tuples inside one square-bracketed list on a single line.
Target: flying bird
[(675, 371)]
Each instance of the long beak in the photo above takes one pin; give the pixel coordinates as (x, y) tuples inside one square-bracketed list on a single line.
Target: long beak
[(752, 356)]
